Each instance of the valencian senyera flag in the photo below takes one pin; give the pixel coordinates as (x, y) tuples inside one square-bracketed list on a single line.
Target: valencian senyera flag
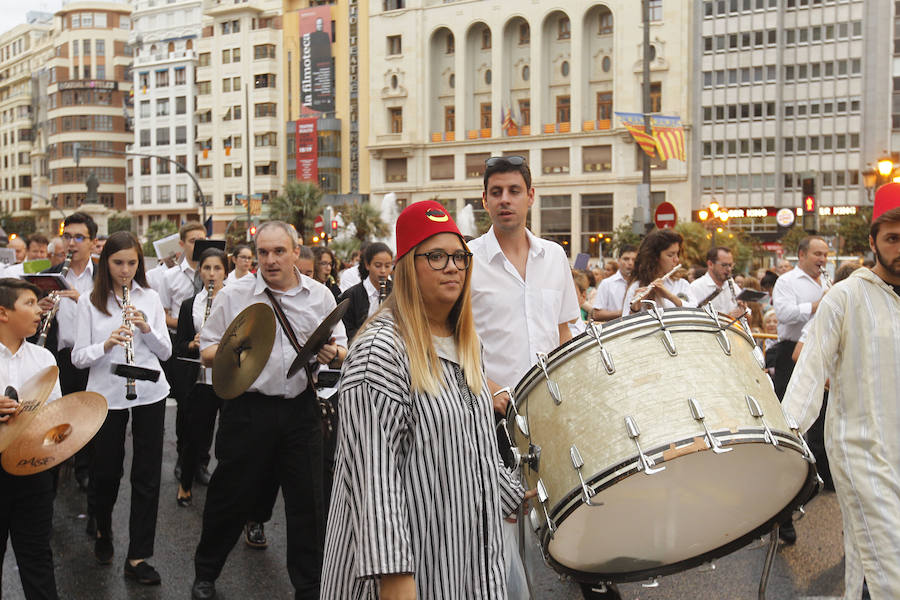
[(666, 139)]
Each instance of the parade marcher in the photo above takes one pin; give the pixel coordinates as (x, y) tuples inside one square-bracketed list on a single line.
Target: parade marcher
[(523, 298), (105, 326), (608, 303), (202, 403), (242, 256), (276, 422), (306, 262), (35, 249), (326, 269), (21, 248), (854, 340), (365, 298), (719, 266), (350, 276), (782, 266), (406, 521), (657, 255), (26, 502), (56, 251), (156, 277)]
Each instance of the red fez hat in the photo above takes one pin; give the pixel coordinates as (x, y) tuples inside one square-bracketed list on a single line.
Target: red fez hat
[(887, 197), (419, 221)]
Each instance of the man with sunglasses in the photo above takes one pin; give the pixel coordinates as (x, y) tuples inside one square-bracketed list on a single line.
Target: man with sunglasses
[(523, 297)]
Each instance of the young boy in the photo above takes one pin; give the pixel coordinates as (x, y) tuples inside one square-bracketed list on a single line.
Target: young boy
[(26, 503)]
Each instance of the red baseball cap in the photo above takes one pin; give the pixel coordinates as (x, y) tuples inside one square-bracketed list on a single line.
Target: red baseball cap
[(887, 197), (419, 221)]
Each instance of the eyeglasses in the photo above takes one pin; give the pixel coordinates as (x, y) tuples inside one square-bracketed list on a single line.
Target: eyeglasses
[(77, 237), (516, 161), (438, 259), (244, 257), (726, 265)]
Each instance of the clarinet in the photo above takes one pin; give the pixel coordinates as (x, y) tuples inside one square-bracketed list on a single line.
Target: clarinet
[(383, 289), (55, 298), (710, 298), (201, 376), (130, 393), (825, 277)]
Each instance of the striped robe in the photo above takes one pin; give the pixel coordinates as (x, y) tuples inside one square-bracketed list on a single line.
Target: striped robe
[(418, 487), (855, 340)]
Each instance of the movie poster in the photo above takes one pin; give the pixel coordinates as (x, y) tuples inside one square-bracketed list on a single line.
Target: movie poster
[(316, 71), (307, 150)]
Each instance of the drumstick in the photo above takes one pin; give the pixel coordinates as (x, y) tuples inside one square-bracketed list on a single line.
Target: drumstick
[(650, 289)]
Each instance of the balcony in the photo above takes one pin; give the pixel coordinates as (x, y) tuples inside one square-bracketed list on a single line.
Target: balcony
[(443, 136), (145, 58)]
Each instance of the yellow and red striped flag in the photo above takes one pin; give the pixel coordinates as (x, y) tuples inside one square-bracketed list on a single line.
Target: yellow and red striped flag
[(634, 123), (669, 135)]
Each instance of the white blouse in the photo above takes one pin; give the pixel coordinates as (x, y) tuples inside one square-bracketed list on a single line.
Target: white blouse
[(679, 287), (93, 328)]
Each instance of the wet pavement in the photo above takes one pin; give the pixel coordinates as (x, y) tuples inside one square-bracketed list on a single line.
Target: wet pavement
[(813, 568)]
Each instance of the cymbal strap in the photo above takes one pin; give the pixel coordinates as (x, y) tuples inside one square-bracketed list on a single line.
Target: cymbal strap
[(283, 321)]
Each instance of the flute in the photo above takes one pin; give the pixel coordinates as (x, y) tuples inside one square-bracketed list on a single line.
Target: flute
[(649, 290), (54, 296), (130, 392)]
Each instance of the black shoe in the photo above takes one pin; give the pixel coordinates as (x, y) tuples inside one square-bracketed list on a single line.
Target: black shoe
[(202, 475), (184, 501), (142, 573), (788, 534), (90, 527), (103, 550), (255, 535), (177, 470), (203, 590)]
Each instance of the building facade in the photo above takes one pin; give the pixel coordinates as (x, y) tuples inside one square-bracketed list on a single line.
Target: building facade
[(163, 37), (453, 83), (789, 89)]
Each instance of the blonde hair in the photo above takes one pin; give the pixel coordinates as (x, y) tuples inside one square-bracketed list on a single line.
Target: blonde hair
[(408, 308)]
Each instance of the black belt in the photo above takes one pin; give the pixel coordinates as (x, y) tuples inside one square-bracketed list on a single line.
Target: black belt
[(260, 396)]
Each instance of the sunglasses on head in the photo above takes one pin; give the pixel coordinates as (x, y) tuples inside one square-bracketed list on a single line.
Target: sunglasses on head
[(515, 161)]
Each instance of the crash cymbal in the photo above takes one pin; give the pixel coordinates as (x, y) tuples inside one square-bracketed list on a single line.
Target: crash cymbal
[(319, 337), (32, 394), (60, 429), (244, 350)]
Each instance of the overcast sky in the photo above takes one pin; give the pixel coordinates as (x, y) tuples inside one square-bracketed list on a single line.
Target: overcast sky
[(12, 12)]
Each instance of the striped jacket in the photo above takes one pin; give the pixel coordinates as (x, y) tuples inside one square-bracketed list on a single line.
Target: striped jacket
[(418, 484)]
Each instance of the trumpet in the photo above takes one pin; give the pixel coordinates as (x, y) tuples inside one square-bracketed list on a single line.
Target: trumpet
[(201, 375), (824, 273), (650, 289), (55, 298), (130, 393)]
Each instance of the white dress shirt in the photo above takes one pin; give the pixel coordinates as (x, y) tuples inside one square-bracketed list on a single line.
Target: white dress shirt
[(792, 297), (306, 306), (94, 328), (372, 294), (66, 316), (28, 360), (198, 312), (517, 318), (232, 277), (679, 287), (725, 302), (611, 293), (178, 287), (349, 278), (156, 277)]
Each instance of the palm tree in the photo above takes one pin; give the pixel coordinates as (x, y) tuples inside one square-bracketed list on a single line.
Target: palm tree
[(367, 220), (299, 206)]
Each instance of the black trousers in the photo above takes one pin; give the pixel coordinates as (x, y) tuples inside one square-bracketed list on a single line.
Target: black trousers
[(26, 518), (784, 366), (816, 439), (256, 431), (107, 470), (201, 408)]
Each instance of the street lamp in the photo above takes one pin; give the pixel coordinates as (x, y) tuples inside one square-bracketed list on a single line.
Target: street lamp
[(713, 217), (885, 167)]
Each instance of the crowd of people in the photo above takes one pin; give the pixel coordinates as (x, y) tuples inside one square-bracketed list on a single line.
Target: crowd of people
[(437, 332)]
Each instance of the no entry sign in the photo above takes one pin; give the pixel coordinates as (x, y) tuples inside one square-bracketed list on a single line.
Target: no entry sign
[(665, 215)]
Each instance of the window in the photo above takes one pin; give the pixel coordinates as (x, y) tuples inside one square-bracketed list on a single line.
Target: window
[(606, 23), (86, 47), (162, 78), (656, 97), (235, 55), (263, 51), (181, 134), (203, 59), (266, 139), (395, 116), (180, 105), (441, 167), (264, 80), (162, 107), (485, 115), (226, 56), (164, 194), (181, 192), (270, 168), (556, 219), (146, 194), (596, 214), (100, 47), (524, 34), (563, 109), (394, 170), (485, 38), (145, 166), (394, 44), (564, 29), (145, 137), (145, 109), (555, 161), (449, 118), (596, 159), (475, 164), (203, 88), (162, 166), (226, 85), (162, 136), (656, 10), (394, 5), (264, 109)]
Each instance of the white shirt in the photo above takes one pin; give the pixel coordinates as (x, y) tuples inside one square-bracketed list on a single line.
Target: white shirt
[(305, 306), (232, 277), (372, 294), (178, 287), (611, 293), (517, 318), (679, 287), (198, 312), (792, 297), (29, 359), (66, 316), (725, 302), (94, 328), (156, 277), (349, 277), (16, 270)]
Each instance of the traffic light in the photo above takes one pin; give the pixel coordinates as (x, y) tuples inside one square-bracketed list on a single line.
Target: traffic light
[(810, 208)]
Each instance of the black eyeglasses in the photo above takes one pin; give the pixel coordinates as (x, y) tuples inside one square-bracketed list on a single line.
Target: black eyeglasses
[(438, 259), (77, 237), (516, 161)]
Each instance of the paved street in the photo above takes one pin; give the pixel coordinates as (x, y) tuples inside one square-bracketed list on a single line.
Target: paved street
[(811, 569)]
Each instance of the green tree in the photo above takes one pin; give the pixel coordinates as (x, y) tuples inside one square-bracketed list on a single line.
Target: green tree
[(157, 231), (696, 243), (792, 238), (23, 226), (367, 220), (623, 235), (119, 222), (300, 204), (854, 232)]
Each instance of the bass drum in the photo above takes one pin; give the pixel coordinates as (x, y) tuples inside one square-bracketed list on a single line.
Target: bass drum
[(656, 443)]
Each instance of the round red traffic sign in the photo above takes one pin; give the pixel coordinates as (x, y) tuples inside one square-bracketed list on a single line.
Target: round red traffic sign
[(319, 224), (665, 215)]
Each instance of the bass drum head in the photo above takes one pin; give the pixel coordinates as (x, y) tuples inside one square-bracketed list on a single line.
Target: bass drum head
[(702, 506)]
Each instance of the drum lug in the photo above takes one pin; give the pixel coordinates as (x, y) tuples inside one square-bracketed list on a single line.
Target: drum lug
[(551, 385), (721, 336), (652, 583), (760, 357), (756, 411), (533, 458), (645, 463), (793, 426), (520, 421), (596, 330), (586, 492), (668, 342), (543, 498), (707, 567), (799, 513), (711, 440)]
